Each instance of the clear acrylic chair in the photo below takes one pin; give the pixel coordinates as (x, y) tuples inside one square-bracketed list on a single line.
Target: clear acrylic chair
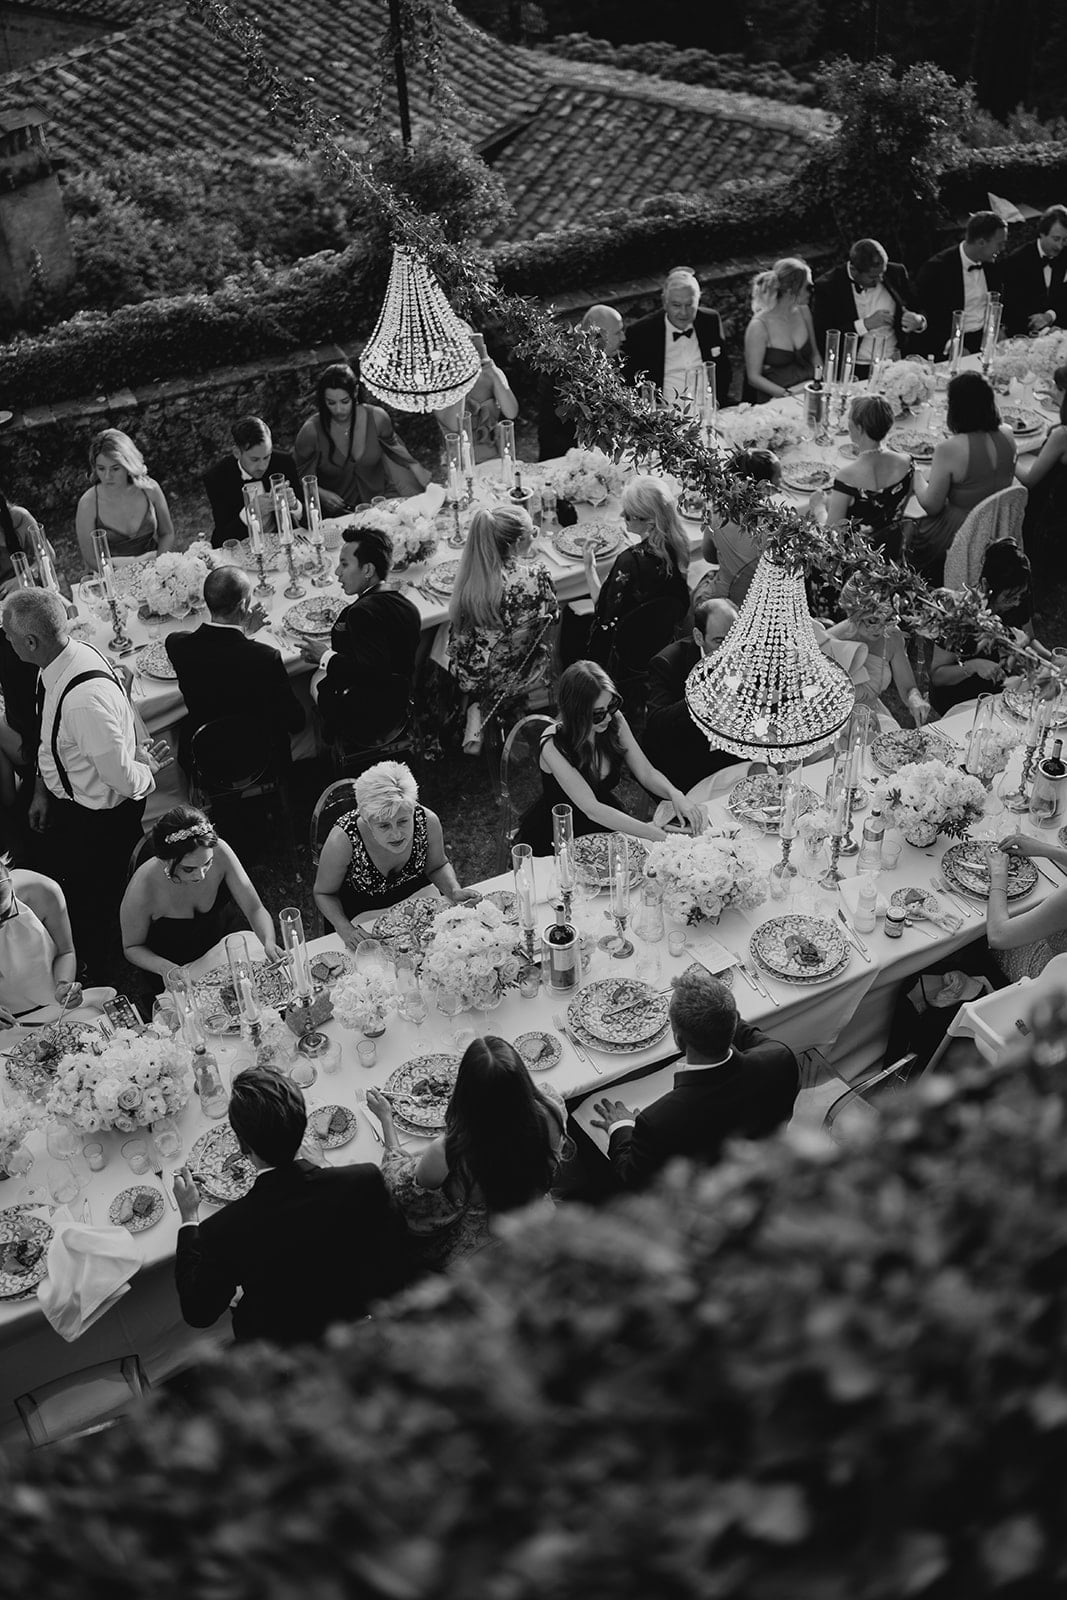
[(83, 1402), (520, 779)]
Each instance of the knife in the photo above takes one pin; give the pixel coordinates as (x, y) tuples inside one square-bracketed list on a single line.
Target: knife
[(853, 938)]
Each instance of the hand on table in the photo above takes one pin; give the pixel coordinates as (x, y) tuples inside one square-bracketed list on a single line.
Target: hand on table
[(690, 813), (466, 897), (1021, 844), (273, 950), (187, 1195), (589, 558), (313, 650), (609, 1111)]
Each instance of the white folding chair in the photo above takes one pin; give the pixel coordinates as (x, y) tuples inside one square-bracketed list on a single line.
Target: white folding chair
[(83, 1402)]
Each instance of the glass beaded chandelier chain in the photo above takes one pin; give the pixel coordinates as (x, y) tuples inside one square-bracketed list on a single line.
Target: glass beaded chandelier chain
[(420, 356)]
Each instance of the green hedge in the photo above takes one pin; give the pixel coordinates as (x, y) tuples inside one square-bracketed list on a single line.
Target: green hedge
[(803, 1375), (1036, 173)]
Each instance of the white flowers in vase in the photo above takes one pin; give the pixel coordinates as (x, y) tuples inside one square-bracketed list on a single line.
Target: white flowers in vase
[(471, 951), (413, 533), (907, 384), (703, 876), (16, 1122), (135, 1080), (362, 998), (587, 477), (749, 427), (928, 794), (173, 584)]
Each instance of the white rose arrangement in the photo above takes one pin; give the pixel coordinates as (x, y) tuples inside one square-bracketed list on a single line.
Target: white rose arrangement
[(906, 384), (749, 427), (471, 951), (360, 998), (134, 1080), (587, 477), (703, 876), (173, 584), (1029, 360), (929, 794), (413, 533)]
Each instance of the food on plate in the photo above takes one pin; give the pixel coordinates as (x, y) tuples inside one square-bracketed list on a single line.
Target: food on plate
[(336, 1122), (803, 951), (20, 1256), (327, 966)]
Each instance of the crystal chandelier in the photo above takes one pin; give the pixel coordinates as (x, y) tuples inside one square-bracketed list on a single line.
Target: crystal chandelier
[(420, 356), (769, 692)]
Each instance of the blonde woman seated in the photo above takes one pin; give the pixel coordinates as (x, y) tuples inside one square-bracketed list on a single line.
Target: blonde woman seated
[(872, 489), (654, 569), (582, 759), (124, 502), (780, 348), (871, 648), (499, 594), (1024, 942), (385, 850)]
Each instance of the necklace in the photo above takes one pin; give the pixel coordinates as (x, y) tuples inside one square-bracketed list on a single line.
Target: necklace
[(871, 450)]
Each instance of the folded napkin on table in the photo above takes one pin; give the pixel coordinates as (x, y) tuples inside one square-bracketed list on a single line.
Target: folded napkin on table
[(426, 504), (89, 1270)]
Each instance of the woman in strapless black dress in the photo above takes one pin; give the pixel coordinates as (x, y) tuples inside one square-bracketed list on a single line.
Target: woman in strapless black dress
[(780, 348)]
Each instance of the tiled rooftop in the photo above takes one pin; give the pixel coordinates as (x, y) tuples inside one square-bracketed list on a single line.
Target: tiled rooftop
[(119, 13), (166, 82)]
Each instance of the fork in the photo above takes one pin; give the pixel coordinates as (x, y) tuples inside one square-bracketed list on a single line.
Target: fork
[(942, 888), (561, 1027)]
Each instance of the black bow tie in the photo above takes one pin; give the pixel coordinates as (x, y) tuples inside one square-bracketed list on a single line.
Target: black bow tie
[(687, 333), (977, 267)]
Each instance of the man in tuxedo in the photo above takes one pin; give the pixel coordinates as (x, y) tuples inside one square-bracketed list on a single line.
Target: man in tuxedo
[(672, 741), (369, 663), (869, 295), (254, 460), (736, 1083), (1035, 293), (224, 673), (669, 343), (309, 1245), (961, 278), (556, 433)]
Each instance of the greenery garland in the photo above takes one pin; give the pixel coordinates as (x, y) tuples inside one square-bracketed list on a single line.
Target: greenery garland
[(590, 388)]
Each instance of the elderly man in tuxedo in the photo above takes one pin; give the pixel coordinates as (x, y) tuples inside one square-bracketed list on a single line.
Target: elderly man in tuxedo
[(254, 460), (735, 1083), (557, 433), (869, 295), (961, 278), (1033, 278), (669, 343), (672, 741)]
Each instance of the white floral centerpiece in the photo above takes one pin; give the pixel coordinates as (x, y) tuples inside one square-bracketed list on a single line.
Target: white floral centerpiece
[(173, 584), (414, 534), (925, 798), (749, 427), (992, 754), (16, 1122), (1029, 360), (471, 951), (907, 384), (704, 876), (587, 477), (361, 999), (135, 1080)]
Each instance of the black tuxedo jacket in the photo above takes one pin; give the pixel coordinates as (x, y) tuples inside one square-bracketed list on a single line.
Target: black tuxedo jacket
[(672, 741), (223, 673), (308, 1245), (939, 285), (834, 305), (645, 344), (375, 638), (555, 434), (1024, 292), (746, 1098), (225, 491)]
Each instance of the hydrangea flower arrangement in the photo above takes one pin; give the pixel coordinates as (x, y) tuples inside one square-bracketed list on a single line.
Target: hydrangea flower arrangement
[(703, 876), (413, 533), (587, 477), (906, 384), (929, 794), (360, 998), (1029, 360), (136, 1079), (471, 951)]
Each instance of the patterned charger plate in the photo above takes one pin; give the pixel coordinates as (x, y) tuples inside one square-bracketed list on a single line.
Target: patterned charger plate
[(218, 1165), (24, 1241), (314, 616), (505, 901), (409, 920), (1017, 701), (966, 867), (441, 578), (805, 473), (751, 797), (800, 949), (421, 1090), (621, 1011), (154, 662), (1023, 422), (136, 1209), (591, 855), (32, 1060), (904, 745), (591, 1042), (331, 965), (333, 1126), (917, 442), (539, 1051), (214, 991), (603, 536)]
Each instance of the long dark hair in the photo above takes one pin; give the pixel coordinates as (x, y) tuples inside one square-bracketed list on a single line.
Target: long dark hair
[(341, 375), (496, 1128), (971, 405), (7, 526), (576, 737)]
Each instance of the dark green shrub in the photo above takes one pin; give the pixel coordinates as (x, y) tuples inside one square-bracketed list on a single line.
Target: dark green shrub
[(800, 1377)]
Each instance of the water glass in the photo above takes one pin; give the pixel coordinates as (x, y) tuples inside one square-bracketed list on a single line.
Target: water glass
[(231, 551), (367, 1051), (95, 1155), (676, 942), (166, 1138), (301, 1072), (60, 1141), (63, 1183), (135, 1154), (413, 1006)]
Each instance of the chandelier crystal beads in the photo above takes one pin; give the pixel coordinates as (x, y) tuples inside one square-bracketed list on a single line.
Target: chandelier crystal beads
[(420, 356)]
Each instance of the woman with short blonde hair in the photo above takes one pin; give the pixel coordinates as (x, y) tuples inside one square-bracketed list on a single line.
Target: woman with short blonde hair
[(123, 502)]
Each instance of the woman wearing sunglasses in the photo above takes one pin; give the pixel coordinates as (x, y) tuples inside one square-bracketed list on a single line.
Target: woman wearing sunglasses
[(582, 759)]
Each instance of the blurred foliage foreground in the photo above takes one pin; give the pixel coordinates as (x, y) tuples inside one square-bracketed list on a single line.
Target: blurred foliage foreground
[(809, 1373)]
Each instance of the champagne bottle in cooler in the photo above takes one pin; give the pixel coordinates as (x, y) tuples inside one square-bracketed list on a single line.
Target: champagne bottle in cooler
[(560, 943)]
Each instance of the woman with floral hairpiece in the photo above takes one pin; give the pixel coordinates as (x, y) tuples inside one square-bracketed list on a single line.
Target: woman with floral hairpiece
[(188, 894)]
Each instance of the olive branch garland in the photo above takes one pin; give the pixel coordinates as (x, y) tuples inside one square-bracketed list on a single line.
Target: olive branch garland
[(589, 386)]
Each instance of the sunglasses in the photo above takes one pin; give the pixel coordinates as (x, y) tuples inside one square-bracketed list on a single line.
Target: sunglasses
[(605, 713)]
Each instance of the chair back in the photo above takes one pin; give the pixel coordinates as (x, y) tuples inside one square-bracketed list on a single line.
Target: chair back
[(138, 854), (520, 778), (388, 728), (854, 1114), (232, 756), (640, 635), (335, 801), (998, 517), (519, 663), (82, 1402)]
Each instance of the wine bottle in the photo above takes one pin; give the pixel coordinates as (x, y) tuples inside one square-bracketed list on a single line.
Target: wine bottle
[(209, 1085), (1053, 764), (870, 856), (560, 942)]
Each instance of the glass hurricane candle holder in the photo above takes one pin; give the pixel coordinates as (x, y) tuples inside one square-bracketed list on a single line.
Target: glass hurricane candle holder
[(618, 896), (256, 540), (120, 642), (525, 894), (320, 577), (563, 846)]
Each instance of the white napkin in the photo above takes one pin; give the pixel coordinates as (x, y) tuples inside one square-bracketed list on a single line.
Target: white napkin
[(428, 503), (89, 1270), (850, 894)]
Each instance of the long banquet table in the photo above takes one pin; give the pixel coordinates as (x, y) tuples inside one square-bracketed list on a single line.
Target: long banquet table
[(846, 1018)]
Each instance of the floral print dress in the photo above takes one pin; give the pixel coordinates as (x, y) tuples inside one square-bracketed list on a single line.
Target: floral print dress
[(528, 602)]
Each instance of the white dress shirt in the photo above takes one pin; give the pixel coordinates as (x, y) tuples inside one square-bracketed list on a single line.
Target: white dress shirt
[(97, 740), (679, 357), (975, 294), (868, 301)]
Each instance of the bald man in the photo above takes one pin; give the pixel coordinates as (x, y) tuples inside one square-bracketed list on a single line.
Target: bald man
[(557, 433), (672, 741), (667, 344)]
